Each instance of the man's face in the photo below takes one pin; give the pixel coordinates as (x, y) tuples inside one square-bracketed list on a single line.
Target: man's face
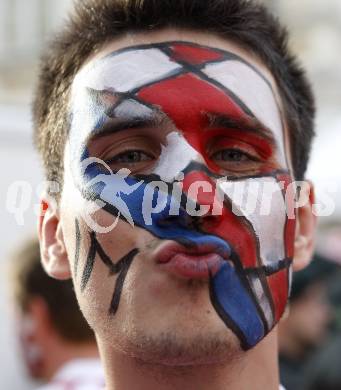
[(200, 260)]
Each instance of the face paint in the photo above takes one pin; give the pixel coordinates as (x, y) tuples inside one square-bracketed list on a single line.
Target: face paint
[(214, 102), (120, 268)]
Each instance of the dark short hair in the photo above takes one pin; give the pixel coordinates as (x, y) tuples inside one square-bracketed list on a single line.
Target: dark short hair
[(29, 280), (95, 22)]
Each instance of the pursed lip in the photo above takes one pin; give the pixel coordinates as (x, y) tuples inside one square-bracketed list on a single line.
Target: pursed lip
[(199, 261)]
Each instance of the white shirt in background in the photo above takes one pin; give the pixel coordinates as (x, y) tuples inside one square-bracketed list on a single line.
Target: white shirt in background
[(78, 374)]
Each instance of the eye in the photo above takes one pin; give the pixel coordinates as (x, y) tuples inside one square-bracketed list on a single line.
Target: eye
[(137, 150), (232, 155), (130, 157), (136, 160), (236, 159)]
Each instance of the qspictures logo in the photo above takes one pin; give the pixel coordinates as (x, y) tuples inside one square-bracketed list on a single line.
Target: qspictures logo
[(253, 196)]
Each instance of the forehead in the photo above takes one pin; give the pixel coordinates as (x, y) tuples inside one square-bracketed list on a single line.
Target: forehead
[(131, 40), (138, 60)]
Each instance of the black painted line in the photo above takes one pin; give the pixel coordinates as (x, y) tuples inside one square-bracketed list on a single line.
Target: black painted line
[(77, 247), (126, 262), (269, 269), (89, 262)]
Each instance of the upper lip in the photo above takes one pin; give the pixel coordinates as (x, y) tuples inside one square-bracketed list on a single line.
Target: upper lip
[(171, 248)]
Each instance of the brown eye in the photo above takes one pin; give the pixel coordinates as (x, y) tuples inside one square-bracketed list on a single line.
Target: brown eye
[(137, 161), (130, 157), (232, 155)]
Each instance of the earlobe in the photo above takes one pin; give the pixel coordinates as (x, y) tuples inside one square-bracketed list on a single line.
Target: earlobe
[(305, 228), (52, 247)]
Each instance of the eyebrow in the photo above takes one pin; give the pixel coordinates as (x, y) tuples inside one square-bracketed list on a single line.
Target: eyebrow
[(247, 124), (114, 125)]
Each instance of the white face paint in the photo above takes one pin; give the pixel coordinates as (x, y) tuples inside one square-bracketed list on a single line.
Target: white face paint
[(175, 157), (128, 70)]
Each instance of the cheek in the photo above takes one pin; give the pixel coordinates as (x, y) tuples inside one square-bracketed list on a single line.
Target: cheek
[(93, 282), (116, 244), (95, 299)]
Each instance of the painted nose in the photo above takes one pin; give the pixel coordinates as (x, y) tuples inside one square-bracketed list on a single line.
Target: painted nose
[(199, 205)]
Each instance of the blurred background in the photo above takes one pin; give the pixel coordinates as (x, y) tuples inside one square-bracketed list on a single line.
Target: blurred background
[(25, 25)]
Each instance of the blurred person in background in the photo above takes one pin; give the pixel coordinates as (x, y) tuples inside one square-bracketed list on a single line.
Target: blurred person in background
[(324, 370), (58, 346), (306, 326), (335, 299)]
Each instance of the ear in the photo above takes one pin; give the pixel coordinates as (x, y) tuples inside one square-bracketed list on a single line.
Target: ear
[(52, 247), (305, 227)]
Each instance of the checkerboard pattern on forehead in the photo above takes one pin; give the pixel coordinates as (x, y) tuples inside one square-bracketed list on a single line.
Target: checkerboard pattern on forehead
[(144, 66), (149, 65)]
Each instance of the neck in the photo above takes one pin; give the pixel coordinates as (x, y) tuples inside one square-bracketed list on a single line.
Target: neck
[(256, 369)]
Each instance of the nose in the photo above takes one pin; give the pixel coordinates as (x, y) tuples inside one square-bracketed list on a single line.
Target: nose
[(200, 203)]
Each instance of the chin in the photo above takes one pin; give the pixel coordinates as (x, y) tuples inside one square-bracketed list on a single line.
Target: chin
[(180, 328), (179, 346)]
